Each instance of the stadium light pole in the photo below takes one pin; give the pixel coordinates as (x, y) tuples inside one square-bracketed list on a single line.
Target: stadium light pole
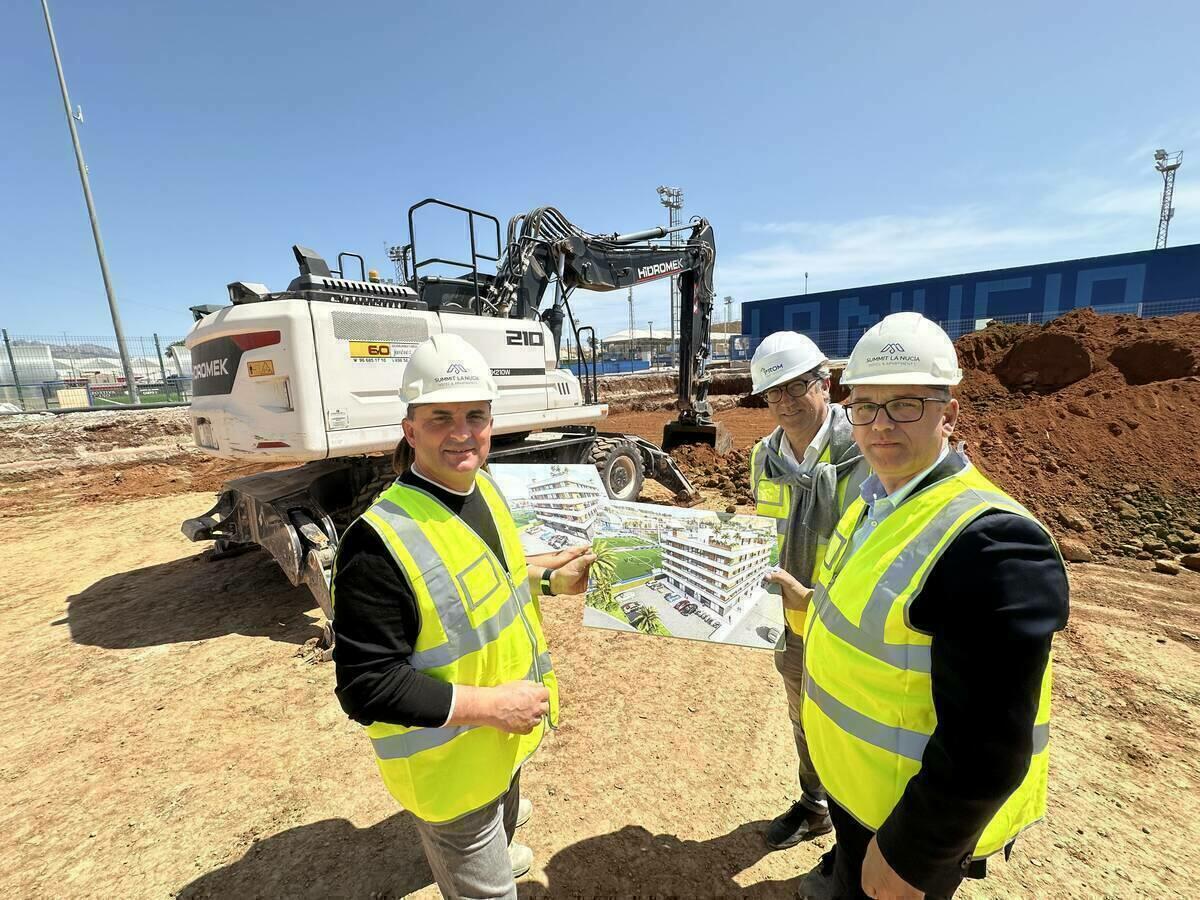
[(130, 381), (672, 199)]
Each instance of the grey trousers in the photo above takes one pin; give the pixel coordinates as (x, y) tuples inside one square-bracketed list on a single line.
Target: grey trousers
[(469, 856), (790, 664)]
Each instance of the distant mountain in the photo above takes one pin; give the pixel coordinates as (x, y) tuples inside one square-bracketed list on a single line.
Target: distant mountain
[(73, 351)]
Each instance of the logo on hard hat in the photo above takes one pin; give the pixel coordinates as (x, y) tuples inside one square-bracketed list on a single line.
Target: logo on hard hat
[(892, 348), (774, 368), (456, 368)]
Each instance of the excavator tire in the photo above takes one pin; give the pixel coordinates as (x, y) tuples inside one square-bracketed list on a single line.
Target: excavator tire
[(620, 466)]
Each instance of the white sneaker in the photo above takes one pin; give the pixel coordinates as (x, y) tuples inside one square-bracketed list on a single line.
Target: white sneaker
[(524, 811), (521, 858)]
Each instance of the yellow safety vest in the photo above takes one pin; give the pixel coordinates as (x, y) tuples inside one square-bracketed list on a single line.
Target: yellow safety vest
[(480, 626), (868, 699), (774, 500)]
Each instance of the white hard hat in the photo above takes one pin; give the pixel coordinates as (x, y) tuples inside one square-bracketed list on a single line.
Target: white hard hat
[(446, 369), (782, 356), (903, 348)]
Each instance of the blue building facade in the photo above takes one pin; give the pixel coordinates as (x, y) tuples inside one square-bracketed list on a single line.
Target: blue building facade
[(1146, 283)]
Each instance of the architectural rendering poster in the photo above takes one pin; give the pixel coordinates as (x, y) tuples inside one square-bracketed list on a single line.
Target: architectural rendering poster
[(660, 570)]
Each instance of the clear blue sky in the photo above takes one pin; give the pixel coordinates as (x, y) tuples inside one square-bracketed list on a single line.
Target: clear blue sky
[(869, 143)]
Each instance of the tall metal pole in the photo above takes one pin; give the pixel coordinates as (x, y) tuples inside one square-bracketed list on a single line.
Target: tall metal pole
[(12, 364), (672, 199), (631, 328), (130, 381)]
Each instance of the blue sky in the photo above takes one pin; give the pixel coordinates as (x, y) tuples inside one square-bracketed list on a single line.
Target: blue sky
[(866, 144)]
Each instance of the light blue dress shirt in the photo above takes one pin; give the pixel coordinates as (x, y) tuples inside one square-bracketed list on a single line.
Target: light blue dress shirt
[(880, 504)]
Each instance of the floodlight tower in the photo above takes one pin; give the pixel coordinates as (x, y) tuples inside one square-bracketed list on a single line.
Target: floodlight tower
[(399, 257), (1168, 164), (672, 199)]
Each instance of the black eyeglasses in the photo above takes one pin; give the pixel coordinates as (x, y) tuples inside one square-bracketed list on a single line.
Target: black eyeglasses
[(797, 388), (899, 409)]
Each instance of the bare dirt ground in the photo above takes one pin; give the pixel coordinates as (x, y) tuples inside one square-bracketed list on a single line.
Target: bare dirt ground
[(165, 734)]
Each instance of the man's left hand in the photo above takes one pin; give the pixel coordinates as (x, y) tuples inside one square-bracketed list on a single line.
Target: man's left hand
[(879, 880), (572, 576)]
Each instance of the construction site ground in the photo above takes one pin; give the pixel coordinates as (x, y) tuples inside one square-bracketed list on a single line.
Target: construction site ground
[(165, 730)]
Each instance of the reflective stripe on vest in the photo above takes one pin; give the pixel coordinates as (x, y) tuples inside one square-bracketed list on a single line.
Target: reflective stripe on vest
[(868, 707), (406, 743), (904, 575), (479, 626), (774, 499)]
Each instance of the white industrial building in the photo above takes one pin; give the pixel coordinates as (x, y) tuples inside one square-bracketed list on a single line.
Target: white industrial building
[(565, 503), (34, 364), (718, 567)]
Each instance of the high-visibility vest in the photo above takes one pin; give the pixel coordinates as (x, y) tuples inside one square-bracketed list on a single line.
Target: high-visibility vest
[(868, 694), (480, 626), (774, 500)]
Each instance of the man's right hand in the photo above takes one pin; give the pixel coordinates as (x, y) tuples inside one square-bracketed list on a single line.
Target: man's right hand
[(518, 706), (795, 595)]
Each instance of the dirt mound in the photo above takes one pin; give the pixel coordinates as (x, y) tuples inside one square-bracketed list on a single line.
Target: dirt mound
[(77, 435), (1147, 361), (644, 393), (1083, 344), (1087, 420), (1045, 362), (727, 475)]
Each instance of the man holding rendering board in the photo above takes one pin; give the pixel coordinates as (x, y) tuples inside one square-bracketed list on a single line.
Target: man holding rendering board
[(440, 652), (804, 474)]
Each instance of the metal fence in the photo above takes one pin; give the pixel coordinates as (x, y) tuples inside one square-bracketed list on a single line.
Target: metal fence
[(65, 371), (838, 344)]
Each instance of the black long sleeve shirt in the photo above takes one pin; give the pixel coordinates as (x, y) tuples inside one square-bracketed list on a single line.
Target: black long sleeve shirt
[(992, 603), (376, 621)]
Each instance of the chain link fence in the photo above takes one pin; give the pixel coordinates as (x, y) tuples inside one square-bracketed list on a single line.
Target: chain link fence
[(66, 371)]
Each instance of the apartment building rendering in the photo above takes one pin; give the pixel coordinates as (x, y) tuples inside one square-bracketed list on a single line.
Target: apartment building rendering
[(566, 502), (719, 567)]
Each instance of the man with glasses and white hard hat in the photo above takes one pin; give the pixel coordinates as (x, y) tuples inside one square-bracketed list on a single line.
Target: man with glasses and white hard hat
[(803, 474), (927, 689), (439, 647)]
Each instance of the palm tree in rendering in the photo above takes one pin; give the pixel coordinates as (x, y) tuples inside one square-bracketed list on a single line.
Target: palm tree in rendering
[(650, 623), (604, 571)]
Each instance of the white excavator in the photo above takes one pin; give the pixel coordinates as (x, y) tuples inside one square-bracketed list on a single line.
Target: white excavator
[(310, 375)]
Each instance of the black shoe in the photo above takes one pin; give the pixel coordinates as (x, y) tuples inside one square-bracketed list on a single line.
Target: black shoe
[(817, 884), (797, 824)]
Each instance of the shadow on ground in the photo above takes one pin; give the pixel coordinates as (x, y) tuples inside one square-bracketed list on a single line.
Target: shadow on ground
[(330, 858), (191, 599), (633, 862)]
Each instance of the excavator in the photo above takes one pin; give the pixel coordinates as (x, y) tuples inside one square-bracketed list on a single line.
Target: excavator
[(308, 377)]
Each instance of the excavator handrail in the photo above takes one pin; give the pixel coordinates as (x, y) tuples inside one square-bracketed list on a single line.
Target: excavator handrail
[(476, 255)]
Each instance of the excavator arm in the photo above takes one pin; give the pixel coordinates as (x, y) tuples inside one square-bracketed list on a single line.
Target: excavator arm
[(544, 246)]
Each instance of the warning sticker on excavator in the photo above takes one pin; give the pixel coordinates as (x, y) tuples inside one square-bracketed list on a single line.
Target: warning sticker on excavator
[(382, 351)]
